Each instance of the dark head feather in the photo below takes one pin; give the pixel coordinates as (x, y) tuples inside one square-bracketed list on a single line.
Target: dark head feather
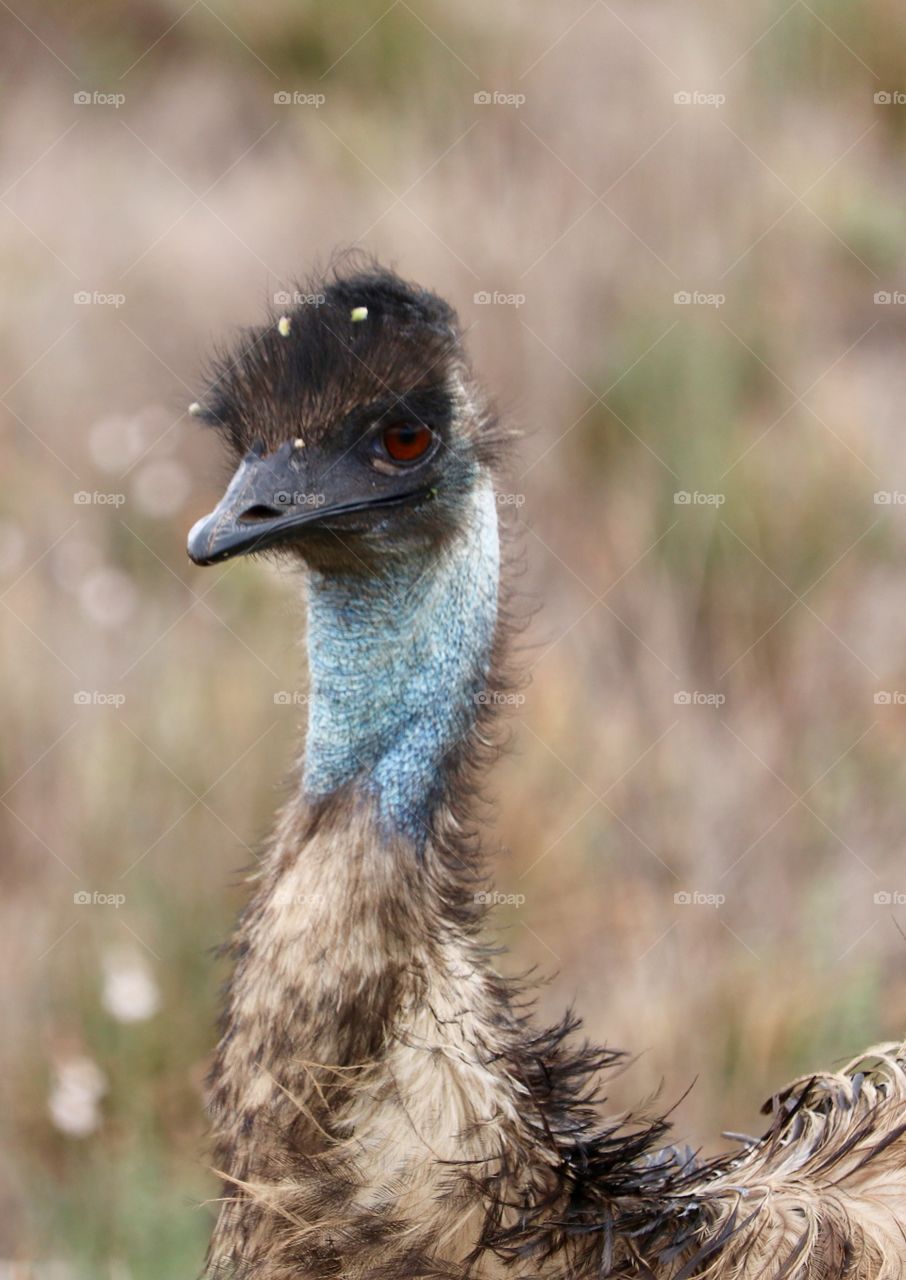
[(312, 364)]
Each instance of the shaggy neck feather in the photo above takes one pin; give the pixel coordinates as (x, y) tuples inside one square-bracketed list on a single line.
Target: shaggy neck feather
[(397, 664)]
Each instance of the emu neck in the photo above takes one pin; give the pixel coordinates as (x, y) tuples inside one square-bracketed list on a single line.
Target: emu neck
[(398, 663), (362, 1041)]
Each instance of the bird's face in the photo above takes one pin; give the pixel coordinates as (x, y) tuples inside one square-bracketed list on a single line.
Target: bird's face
[(357, 427)]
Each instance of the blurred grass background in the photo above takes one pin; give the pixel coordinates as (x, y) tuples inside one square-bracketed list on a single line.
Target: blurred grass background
[(776, 605)]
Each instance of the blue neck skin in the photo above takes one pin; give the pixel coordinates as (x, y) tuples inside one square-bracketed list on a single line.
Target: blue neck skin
[(397, 665)]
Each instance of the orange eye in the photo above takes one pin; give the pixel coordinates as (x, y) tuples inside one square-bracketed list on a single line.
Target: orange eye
[(406, 441)]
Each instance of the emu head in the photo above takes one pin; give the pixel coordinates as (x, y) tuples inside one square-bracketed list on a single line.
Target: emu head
[(357, 426)]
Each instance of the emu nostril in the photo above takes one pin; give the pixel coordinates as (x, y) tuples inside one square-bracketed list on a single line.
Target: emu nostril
[(262, 512)]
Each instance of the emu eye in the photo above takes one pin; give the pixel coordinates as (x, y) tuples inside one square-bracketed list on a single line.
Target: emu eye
[(406, 441)]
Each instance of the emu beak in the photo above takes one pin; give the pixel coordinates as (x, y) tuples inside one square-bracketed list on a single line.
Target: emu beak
[(273, 499), (265, 501)]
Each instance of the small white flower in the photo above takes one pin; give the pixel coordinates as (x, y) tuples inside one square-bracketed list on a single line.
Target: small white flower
[(78, 1087), (130, 993)]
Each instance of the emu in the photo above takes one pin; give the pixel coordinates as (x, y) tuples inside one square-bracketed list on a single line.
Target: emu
[(382, 1104)]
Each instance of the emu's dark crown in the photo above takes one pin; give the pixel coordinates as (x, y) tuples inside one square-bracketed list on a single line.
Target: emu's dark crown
[(356, 423)]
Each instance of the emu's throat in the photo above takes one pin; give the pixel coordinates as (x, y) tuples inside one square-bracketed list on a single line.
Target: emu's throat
[(398, 664)]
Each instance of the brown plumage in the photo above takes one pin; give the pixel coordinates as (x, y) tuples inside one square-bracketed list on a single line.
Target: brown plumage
[(381, 1102)]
